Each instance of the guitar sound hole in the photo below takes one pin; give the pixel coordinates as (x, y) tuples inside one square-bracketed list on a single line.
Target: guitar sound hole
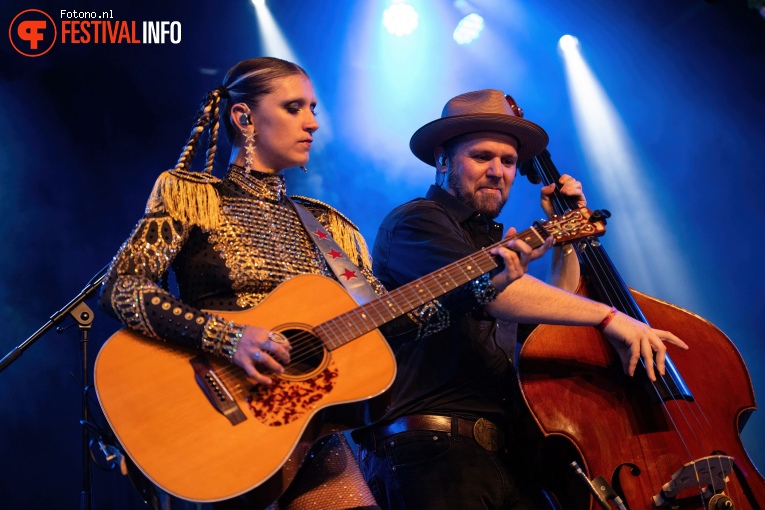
[(307, 355)]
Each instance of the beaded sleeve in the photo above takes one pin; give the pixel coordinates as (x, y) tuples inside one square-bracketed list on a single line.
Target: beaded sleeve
[(132, 293)]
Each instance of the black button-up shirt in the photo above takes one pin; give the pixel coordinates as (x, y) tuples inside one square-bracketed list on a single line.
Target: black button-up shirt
[(465, 369)]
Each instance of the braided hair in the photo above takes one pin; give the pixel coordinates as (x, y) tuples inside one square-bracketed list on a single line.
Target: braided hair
[(208, 114), (246, 82)]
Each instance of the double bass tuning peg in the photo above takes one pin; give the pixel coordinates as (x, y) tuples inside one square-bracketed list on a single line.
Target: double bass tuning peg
[(600, 215), (721, 502)]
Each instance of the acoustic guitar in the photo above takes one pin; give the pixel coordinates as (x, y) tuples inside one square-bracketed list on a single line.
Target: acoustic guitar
[(199, 429)]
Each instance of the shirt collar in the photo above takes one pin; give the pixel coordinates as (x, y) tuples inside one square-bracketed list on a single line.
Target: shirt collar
[(463, 213), (269, 187), (456, 207)]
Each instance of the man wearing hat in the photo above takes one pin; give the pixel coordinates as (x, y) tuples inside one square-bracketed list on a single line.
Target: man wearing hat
[(441, 441)]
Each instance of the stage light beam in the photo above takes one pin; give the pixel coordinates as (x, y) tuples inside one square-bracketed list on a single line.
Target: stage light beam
[(271, 37), (612, 158)]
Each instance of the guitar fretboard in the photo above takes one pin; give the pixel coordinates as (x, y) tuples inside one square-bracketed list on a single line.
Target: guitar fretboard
[(365, 318)]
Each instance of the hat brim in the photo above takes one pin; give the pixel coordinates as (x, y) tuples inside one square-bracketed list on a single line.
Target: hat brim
[(532, 139)]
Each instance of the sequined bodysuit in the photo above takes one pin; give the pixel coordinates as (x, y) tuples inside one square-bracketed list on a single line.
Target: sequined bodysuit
[(260, 243)]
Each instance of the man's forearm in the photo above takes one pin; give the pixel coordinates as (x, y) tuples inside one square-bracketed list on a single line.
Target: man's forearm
[(532, 301)]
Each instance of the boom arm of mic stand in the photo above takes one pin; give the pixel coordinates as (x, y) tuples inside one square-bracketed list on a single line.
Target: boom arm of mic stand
[(55, 319)]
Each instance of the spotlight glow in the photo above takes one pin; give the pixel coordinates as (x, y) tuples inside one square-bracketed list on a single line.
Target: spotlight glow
[(622, 175), (468, 29), (568, 43), (400, 19), (271, 36)]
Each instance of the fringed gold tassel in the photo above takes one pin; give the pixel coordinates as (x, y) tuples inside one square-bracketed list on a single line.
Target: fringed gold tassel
[(364, 256), (350, 240), (190, 197)]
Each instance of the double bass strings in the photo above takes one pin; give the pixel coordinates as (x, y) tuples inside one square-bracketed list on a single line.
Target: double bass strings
[(615, 293)]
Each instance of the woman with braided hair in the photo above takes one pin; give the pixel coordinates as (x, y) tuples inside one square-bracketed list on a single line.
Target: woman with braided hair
[(231, 242)]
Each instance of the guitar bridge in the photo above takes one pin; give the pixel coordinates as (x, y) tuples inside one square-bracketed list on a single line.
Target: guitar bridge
[(216, 391)]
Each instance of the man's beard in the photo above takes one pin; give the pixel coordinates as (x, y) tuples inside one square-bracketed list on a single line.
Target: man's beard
[(484, 205)]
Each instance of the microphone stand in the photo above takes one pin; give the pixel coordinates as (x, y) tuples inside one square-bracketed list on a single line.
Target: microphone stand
[(83, 315)]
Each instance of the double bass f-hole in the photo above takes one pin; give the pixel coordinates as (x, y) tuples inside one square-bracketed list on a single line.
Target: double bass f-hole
[(673, 443)]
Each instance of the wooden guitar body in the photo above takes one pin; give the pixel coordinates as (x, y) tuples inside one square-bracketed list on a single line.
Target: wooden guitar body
[(168, 426)]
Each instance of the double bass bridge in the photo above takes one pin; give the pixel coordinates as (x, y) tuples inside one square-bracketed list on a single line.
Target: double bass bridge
[(708, 474)]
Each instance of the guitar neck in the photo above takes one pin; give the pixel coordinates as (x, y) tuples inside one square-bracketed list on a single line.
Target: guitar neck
[(363, 319)]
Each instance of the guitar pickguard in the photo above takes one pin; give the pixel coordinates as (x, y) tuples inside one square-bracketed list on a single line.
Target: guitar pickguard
[(286, 401)]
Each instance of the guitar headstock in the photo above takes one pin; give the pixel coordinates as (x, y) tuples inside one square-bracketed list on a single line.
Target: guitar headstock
[(576, 224)]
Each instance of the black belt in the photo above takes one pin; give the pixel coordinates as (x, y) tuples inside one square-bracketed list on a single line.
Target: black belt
[(485, 433)]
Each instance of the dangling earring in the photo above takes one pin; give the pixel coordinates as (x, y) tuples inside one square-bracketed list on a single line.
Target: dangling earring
[(249, 150), (304, 169)]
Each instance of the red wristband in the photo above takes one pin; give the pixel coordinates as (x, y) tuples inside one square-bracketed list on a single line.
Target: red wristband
[(607, 319)]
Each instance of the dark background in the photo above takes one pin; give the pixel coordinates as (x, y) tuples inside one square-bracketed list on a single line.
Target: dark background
[(85, 130)]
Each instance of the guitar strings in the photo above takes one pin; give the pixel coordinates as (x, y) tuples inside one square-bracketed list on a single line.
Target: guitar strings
[(342, 333), (305, 348), (455, 273), (339, 330)]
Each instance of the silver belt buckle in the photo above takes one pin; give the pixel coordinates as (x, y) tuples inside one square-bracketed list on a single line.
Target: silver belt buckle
[(488, 435)]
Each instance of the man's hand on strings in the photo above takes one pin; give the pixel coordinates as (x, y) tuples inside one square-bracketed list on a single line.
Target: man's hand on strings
[(634, 340)]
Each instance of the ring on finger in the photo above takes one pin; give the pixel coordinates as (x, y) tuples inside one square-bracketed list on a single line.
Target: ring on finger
[(277, 338), (257, 355)]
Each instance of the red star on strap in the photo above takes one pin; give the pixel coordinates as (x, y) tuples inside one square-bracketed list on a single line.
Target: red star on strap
[(348, 274), (320, 234), (334, 254)]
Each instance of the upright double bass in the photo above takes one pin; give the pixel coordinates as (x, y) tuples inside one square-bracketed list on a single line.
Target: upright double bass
[(607, 440)]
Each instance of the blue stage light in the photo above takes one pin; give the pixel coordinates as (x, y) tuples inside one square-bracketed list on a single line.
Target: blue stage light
[(468, 29), (400, 18), (568, 42)]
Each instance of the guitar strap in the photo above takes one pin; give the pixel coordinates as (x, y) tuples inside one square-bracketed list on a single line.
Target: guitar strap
[(345, 271)]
